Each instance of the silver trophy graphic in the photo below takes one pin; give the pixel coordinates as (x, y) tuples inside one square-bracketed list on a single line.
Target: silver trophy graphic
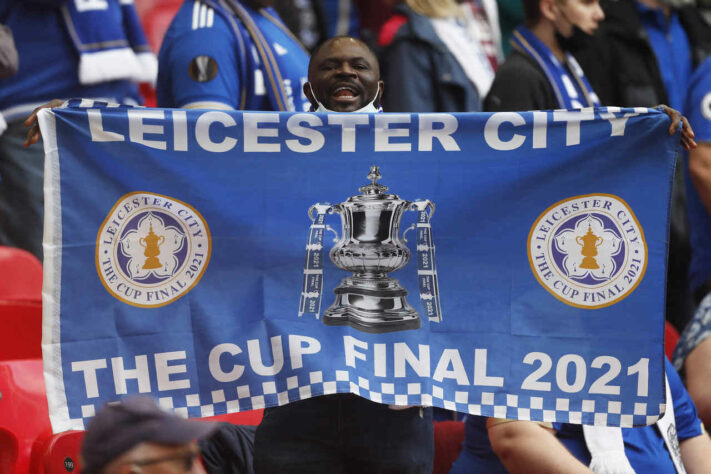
[(370, 247)]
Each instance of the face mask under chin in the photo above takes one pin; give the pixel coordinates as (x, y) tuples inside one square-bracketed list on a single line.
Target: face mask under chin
[(577, 41), (369, 108)]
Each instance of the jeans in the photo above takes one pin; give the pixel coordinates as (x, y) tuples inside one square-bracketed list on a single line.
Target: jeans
[(344, 433)]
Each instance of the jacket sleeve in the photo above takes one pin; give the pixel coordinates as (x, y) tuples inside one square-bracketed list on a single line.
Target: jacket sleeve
[(8, 53), (407, 72)]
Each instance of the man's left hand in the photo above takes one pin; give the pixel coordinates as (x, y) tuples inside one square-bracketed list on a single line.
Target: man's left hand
[(33, 135), (687, 134)]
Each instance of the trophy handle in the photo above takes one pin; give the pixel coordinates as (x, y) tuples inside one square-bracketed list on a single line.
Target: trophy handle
[(418, 205), (320, 208), (423, 204), (325, 208)]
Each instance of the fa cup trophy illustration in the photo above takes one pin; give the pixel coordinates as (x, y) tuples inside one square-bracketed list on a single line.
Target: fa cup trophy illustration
[(370, 247), (151, 242)]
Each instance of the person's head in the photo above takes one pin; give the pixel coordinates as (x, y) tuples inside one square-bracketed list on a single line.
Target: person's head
[(344, 76), (136, 437), (564, 15)]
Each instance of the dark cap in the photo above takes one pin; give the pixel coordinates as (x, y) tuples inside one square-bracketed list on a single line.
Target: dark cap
[(116, 428)]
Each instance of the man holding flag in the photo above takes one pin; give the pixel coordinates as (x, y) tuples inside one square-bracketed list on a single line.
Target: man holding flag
[(344, 432)]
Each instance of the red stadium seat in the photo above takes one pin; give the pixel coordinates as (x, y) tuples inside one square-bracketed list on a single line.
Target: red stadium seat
[(448, 439), (56, 454), (156, 21), (671, 337), (156, 16), (252, 418), (21, 334), (21, 276), (20, 304), (23, 413)]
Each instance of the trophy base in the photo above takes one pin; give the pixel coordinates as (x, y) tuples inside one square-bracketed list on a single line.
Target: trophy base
[(375, 305)]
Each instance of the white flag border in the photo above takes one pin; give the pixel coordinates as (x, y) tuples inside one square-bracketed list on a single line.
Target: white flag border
[(51, 284)]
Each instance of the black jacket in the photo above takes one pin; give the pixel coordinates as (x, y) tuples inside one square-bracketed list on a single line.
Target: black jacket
[(520, 84)]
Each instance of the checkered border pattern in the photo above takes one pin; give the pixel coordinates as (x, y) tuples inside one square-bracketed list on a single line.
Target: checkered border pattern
[(499, 405)]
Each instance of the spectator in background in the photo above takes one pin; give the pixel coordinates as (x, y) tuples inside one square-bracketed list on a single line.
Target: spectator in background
[(692, 356), (231, 55), (63, 53), (541, 72), (441, 56), (677, 442), (136, 436)]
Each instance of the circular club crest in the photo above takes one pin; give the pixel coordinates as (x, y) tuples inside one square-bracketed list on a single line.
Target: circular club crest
[(151, 249), (588, 251)]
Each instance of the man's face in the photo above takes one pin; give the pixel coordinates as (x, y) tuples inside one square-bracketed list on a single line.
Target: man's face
[(344, 76), (585, 14), (153, 458)]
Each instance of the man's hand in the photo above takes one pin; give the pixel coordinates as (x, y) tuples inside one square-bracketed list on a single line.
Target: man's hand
[(33, 135), (687, 134)]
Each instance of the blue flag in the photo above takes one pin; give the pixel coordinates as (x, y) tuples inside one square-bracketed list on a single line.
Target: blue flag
[(508, 264)]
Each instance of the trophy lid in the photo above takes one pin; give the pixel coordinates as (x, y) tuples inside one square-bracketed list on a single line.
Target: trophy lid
[(373, 190)]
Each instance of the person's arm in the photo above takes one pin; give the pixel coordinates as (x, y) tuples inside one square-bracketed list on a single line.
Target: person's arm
[(695, 454), (697, 368), (694, 442), (8, 53), (527, 447), (700, 172), (199, 69)]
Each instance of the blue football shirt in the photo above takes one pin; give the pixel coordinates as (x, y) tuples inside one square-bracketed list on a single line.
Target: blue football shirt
[(204, 60)]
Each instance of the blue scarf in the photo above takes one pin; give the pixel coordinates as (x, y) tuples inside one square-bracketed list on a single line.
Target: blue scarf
[(275, 67), (574, 93), (110, 41)]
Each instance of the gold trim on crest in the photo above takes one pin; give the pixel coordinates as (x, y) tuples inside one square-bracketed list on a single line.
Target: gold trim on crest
[(632, 215), (191, 251)]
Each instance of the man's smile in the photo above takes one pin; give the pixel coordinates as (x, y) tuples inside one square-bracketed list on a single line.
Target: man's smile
[(345, 93)]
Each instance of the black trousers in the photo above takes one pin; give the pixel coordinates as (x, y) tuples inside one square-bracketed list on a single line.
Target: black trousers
[(344, 433)]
